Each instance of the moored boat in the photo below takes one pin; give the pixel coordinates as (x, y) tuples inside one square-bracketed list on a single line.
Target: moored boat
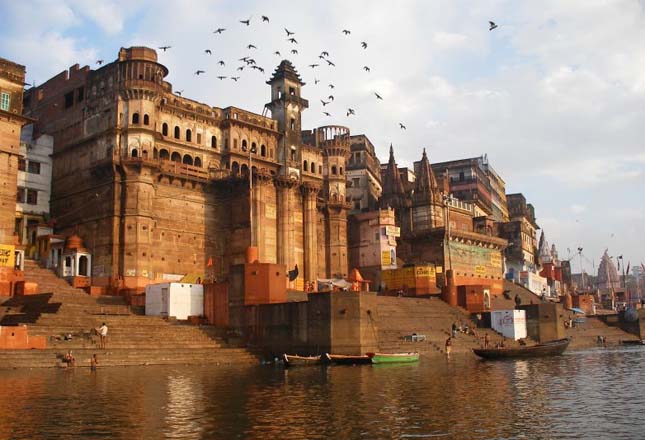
[(385, 358), (348, 359), (291, 360), (550, 348), (633, 342)]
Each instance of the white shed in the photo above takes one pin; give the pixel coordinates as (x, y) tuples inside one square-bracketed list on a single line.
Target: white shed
[(180, 300), (510, 323)]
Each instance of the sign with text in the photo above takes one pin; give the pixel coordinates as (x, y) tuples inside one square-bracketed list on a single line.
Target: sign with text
[(7, 255), (392, 231)]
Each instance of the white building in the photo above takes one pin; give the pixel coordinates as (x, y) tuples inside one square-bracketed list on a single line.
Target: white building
[(34, 183)]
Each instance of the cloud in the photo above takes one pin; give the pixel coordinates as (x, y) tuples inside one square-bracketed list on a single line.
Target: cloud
[(449, 41)]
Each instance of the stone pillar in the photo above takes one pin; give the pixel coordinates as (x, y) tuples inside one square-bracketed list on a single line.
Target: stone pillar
[(285, 221), (310, 195), (449, 291), (337, 239)]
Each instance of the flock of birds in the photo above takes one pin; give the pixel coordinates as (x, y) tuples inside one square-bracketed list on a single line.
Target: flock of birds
[(248, 62)]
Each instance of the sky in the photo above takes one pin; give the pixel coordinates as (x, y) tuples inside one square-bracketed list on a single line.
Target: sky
[(555, 96)]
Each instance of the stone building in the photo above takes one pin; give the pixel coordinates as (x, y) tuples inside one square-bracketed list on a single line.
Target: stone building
[(12, 80), (34, 184), (520, 231), (363, 175), (158, 184)]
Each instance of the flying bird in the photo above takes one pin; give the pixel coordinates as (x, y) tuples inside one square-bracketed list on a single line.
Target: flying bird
[(221, 77), (346, 31), (363, 45), (265, 18), (288, 32), (250, 61), (326, 114), (324, 103), (366, 68), (350, 111), (293, 274), (277, 52), (165, 48), (257, 68), (331, 86), (378, 96), (246, 22), (316, 80), (324, 53), (219, 30), (221, 63), (294, 51), (208, 51), (199, 72), (99, 62), (330, 97), (492, 25), (292, 40), (250, 46), (313, 66), (179, 92), (240, 68), (235, 78), (245, 59), (330, 63), (402, 127)]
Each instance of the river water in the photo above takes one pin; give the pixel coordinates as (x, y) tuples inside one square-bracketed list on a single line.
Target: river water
[(595, 394)]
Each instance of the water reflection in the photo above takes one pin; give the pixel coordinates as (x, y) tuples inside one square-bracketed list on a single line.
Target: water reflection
[(580, 395)]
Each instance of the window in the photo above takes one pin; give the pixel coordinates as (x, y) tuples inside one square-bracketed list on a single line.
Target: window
[(263, 151), (33, 167), (313, 167), (243, 145), (319, 169), (135, 118), (80, 94), (341, 171), (189, 135), (213, 142), (292, 91), (164, 129), (20, 195), (199, 138), (4, 101), (304, 166), (176, 132), (333, 170), (22, 164), (32, 196), (356, 181), (146, 120), (293, 124), (69, 99)]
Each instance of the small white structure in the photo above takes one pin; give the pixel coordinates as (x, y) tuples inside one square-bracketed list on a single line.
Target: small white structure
[(180, 300), (510, 323)]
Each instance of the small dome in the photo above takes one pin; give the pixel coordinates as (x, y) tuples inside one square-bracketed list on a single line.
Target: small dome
[(74, 242)]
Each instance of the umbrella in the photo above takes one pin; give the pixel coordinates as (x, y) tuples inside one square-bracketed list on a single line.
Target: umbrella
[(578, 311)]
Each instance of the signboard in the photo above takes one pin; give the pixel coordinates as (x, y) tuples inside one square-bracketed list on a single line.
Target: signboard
[(7, 255), (392, 231), (386, 258), (476, 260)]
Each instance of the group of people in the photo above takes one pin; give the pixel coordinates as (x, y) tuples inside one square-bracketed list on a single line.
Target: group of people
[(70, 361)]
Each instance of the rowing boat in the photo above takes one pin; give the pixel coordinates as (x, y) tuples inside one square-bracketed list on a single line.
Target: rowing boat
[(546, 349), (291, 360), (385, 358), (348, 359)]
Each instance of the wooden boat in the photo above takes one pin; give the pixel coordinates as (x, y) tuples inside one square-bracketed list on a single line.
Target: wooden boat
[(385, 358), (291, 360), (547, 349), (348, 359), (634, 342)]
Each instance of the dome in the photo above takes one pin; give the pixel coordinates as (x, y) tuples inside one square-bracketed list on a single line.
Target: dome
[(74, 242)]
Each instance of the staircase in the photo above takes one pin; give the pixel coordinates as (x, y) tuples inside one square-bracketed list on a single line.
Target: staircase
[(132, 339), (400, 317), (585, 335)]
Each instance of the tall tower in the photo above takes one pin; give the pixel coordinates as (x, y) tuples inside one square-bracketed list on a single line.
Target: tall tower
[(286, 107)]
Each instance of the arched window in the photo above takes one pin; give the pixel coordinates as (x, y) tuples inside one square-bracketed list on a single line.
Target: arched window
[(176, 157), (213, 142), (319, 169), (135, 118), (263, 151), (189, 135), (164, 155), (198, 162), (187, 160), (155, 153), (164, 129), (254, 148), (145, 154), (293, 124), (199, 138), (244, 145), (176, 132), (341, 171), (134, 153), (235, 168), (304, 165), (146, 120), (313, 167), (82, 266), (245, 169), (333, 169)]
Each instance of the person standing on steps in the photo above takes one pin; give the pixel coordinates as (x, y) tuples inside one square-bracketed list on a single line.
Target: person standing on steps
[(103, 331), (448, 346), (486, 340)]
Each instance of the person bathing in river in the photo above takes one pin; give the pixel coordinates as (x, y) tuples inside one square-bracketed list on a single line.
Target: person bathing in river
[(94, 362)]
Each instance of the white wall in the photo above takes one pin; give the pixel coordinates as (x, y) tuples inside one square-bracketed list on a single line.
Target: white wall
[(179, 300), (510, 323), (38, 150)]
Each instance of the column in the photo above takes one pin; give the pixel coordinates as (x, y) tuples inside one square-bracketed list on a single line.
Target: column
[(310, 195)]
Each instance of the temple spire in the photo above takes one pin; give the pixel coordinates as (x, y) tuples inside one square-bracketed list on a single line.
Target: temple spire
[(393, 190), (426, 183)]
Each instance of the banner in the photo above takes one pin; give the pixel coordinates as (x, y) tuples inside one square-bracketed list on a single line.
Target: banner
[(7, 255)]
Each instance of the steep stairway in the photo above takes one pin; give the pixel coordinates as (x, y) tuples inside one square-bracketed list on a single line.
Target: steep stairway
[(400, 317), (585, 334)]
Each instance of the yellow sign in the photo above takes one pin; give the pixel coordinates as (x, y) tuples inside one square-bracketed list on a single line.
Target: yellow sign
[(496, 259), (480, 270), (386, 258), (392, 231), (425, 271), (7, 255)]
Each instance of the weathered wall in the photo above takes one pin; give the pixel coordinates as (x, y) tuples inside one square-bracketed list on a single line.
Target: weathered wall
[(544, 321)]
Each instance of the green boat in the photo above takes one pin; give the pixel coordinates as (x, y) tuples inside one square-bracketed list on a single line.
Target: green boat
[(390, 358)]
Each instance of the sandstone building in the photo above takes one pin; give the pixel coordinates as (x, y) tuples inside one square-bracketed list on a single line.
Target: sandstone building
[(158, 185)]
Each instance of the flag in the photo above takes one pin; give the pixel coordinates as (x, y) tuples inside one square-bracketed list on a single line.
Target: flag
[(210, 262), (627, 271)]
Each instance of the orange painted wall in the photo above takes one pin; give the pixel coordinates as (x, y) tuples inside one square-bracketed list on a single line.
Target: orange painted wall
[(216, 304), (265, 283), (17, 338)]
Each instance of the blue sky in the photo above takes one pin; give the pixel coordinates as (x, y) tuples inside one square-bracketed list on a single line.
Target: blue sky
[(554, 96)]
